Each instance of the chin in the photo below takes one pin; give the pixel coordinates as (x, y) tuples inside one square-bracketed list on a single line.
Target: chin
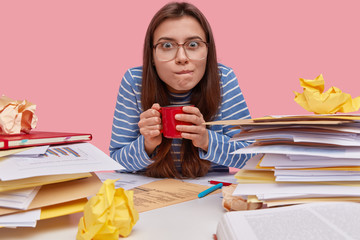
[(181, 90)]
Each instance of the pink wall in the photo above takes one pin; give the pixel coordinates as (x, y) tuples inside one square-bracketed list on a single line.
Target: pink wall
[(69, 56)]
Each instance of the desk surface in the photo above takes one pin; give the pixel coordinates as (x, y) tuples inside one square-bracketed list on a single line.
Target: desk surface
[(196, 219)]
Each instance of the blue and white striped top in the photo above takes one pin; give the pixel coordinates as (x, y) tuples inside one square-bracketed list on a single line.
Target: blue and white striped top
[(127, 144)]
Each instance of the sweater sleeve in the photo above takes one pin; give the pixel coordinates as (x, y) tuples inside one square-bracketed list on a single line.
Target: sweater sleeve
[(233, 106), (127, 144)]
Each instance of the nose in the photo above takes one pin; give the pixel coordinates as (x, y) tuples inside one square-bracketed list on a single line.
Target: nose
[(181, 57)]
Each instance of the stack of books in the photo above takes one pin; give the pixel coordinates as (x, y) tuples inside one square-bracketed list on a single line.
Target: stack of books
[(300, 159), (47, 174)]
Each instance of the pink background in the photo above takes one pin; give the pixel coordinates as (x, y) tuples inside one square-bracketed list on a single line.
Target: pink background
[(69, 56)]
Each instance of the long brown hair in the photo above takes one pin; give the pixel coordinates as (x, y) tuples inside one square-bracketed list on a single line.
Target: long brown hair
[(205, 95)]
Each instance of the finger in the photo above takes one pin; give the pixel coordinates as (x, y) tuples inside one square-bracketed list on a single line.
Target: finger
[(150, 133), (192, 110), (153, 133), (191, 129), (191, 118), (154, 127), (146, 122), (200, 141), (190, 136), (144, 127), (150, 113), (156, 106)]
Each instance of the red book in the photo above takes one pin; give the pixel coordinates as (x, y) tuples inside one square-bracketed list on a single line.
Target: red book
[(38, 138)]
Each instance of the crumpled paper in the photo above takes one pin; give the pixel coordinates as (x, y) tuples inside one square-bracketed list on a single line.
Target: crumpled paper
[(313, 99), (108, 215), (16, 116), (236, 203)]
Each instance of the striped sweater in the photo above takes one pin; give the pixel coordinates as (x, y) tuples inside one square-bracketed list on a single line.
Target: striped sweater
[(127, 144)]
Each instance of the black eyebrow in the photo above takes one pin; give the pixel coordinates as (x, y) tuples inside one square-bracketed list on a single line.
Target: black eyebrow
[(166, 39), (172, 39)]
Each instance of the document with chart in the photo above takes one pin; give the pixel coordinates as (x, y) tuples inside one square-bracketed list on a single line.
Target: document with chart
[(60, 159)]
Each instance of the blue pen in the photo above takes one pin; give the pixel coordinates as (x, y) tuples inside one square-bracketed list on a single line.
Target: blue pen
[(210, 190)]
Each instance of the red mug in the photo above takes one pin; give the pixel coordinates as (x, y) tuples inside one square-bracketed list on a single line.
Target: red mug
[(169, 122)]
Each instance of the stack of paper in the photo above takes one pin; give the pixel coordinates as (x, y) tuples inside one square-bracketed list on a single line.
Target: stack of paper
[(48, 181), (300, 158)]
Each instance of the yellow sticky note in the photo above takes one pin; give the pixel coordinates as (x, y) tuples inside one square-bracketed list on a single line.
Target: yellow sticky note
[(108, 215), (313, 99)]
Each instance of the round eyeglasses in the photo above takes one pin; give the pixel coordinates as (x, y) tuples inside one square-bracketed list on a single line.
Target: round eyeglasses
[(194, 50)]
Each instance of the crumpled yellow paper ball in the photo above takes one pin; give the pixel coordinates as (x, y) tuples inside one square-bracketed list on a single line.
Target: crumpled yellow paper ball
[(16, 116), (313, 99), (108, 215)]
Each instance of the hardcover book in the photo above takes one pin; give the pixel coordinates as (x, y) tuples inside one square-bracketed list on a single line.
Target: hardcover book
[(38, 138)]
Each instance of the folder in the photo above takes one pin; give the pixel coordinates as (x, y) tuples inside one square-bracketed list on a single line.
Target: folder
[(62, 192), (38, 138), (39, 181), (287, 120), (62, 209), (286, 202)]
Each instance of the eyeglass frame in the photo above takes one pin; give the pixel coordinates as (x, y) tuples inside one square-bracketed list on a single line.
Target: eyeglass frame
[(181, 45)]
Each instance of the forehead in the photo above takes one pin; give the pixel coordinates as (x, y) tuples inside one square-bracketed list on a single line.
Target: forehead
[(179, 29)]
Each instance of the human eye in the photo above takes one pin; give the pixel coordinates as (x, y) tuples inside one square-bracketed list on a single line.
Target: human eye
[(167, 45), (193, 44)]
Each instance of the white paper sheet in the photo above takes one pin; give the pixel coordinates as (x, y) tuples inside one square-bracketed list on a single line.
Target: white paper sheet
[(282, 160), (252, 162), (342, 139), (316, 178), (286, 172), (32, 152), (23, 219), (316, 158), (62, 159), (298, 188), (126, 180), (215, 176), (334, 152), (18, 199), (279, 196), (132, 180)]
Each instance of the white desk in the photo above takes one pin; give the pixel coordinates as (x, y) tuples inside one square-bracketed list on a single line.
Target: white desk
[(196, 219)]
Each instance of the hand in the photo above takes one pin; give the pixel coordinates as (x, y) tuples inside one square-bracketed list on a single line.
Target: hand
[(197, 132), (150, 126)]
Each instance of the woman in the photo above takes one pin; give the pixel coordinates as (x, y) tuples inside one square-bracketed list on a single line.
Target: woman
[(179, 67)]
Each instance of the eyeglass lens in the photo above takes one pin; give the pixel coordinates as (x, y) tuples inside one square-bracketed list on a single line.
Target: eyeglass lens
[(195, 50)]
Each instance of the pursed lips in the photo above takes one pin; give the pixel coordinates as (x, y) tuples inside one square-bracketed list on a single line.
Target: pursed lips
[(184, 72)]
